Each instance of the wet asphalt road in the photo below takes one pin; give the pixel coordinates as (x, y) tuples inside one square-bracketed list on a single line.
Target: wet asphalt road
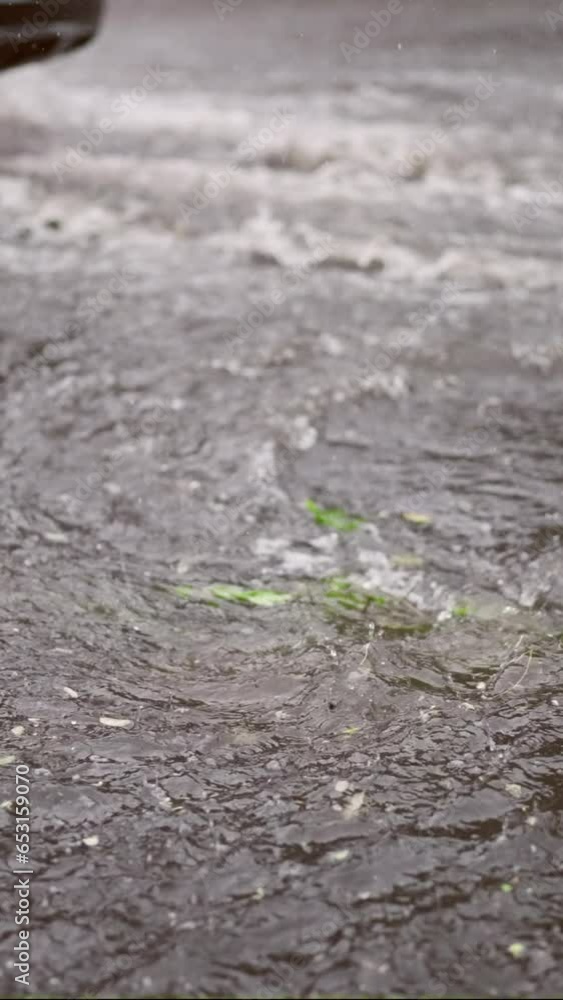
[(243, 267)]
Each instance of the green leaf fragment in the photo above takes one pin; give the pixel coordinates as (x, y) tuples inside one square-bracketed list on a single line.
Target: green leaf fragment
[(506, 887), (342, 590), (232, 592), (406, 628), (333, 517), (460, 611), (351, 730), (242, 595)]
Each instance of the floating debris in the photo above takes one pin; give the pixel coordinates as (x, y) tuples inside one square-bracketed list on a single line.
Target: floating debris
[(107, 720), (354, 804), (406, 560), (343, 591), (333, 517), (514, 790), (351, 730), (422, 520), (18, 731), (70, 692), (337, 856), (460, 611), (183, 592), (245, 738), (55, 538), (92, 841), (7, 759), (516, 949), (257, 598)]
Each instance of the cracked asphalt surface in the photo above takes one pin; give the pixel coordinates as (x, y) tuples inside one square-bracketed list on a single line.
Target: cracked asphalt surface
[(207, 320)]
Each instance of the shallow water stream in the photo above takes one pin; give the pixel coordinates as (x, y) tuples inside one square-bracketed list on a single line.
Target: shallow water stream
[(277, 751)]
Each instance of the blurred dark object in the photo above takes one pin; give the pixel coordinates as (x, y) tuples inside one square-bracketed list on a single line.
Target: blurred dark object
[(36, 29)]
